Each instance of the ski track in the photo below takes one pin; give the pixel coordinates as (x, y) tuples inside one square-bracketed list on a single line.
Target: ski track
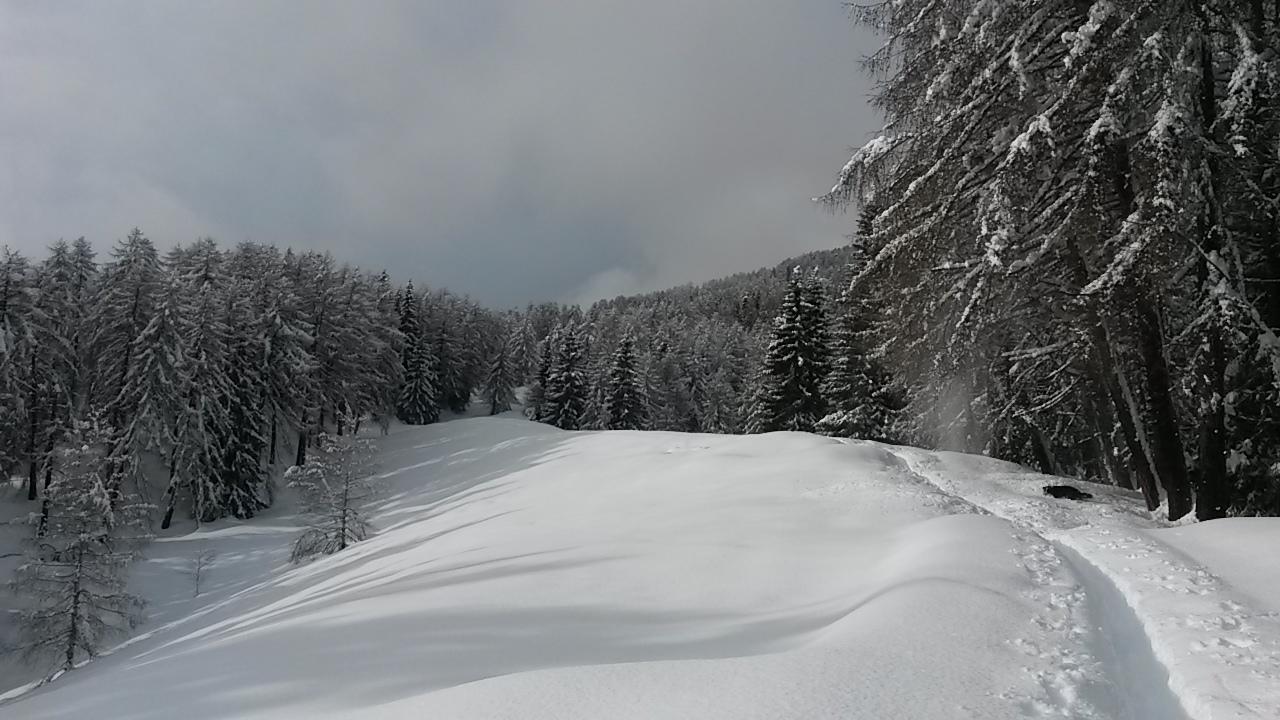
[(1173, 636)]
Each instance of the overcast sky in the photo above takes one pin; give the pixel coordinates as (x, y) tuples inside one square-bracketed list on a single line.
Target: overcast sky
[(515, 150)]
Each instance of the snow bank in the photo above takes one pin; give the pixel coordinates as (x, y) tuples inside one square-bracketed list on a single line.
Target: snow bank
[(523, 572)]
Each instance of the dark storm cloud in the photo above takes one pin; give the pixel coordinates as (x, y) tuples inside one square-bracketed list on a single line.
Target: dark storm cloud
[(515, 150)]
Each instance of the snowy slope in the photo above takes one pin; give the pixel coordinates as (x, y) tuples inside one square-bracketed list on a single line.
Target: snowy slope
[(523, 572)]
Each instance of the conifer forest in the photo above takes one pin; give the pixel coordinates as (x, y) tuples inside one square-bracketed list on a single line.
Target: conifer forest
[(1062, 251)]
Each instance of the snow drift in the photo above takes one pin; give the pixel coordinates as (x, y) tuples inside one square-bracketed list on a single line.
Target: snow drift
[(519, 571)]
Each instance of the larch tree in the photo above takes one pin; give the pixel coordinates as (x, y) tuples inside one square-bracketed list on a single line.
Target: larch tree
[(75, 571), (334, 487)]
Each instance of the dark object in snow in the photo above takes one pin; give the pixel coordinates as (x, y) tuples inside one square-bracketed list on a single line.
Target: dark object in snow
[(1069, 492)]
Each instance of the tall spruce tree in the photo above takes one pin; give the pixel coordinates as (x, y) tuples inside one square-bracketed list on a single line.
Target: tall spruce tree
[(499, 390), (795, 365), (624, 403), (417, 404), (567, 390)]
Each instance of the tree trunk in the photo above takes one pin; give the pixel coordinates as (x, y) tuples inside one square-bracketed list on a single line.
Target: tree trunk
[(272, 457), (48, 462), (33, 466), (301, 458), (1040, 448), (73, 631), (170, 495), (1166, 442)]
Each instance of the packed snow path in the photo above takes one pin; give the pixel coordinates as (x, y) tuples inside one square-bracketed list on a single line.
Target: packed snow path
[(1216, 648), (522, 572)]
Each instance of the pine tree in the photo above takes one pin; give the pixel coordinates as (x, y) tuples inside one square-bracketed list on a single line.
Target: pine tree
[(566, 390), (862, 397), (386, 369), (126, 300), (56, 366), (417, 404), (16, 350), (334, 487), (500, 382), (624, 404), (795, 364), (75, 570), (536, 400), (449, 355), (241, 472), (205, 423)]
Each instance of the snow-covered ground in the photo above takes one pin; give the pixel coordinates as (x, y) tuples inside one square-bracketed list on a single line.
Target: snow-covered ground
[(523, 572)]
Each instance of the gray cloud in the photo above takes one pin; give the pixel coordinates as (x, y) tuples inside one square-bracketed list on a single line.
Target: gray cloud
[(513, 149)]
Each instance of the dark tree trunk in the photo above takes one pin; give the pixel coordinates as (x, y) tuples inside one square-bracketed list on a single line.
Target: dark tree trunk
[(170, 495), (1040, 448), (1166, 443), (48, 462), (272, 457), (33, 465), (301, 458)]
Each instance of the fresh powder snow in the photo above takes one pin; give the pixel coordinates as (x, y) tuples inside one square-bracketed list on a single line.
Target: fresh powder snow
[(520, 571)]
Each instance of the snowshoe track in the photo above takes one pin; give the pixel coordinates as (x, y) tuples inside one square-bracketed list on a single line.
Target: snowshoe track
[(1105, 664)]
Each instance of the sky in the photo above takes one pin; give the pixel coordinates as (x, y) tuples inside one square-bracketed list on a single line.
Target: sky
[(513, 150)]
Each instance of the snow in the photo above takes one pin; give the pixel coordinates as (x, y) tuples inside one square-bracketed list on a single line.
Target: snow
[(1204, 596), (518, 571)]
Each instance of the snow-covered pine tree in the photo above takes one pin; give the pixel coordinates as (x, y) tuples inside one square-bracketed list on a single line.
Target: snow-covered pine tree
[(205, 422), (382, 383), (15, 354), (45, 360), (83, 286), (157, 388), (862, 398), (75, 570), (442, 325), (718, 409), (57, 321), (315, 283), (624, 404), (670, 407), (524, 349), (286, 370), (795, 364), (500, 382), (241, 471), (417, 404), (1073, 229), (127, 296), (565, 397), (535, 401), (334, 487)]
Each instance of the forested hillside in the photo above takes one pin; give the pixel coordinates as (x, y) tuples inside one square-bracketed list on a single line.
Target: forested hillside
[(1064, 252), (1067, 256)]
